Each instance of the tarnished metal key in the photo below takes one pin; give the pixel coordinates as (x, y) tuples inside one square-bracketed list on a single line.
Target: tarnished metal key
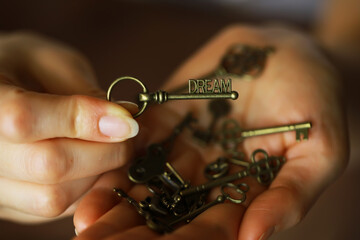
[(231, 134), (264, 170), (198, 89)]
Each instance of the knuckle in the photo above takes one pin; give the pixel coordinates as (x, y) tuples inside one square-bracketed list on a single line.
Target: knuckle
[(51, 201), (48, 164), (16, 116), (77, 116)]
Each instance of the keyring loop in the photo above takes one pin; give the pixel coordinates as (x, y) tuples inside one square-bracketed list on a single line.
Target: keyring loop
[(237, 189), (144, 104)]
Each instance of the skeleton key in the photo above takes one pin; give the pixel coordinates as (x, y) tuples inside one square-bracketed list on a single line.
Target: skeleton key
[(133, 202), (161, 96), (220, 167), (264, 170), (154, 163), (241, 189), (232, 134), (218, 108)]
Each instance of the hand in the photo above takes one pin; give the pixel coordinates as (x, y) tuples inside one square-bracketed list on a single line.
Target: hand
[(53, 144), (297, 85)]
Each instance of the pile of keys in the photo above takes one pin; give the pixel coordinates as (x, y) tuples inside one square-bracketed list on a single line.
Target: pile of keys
[(173, 201)]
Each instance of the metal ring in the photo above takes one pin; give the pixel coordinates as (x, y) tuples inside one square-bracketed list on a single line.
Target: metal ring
[(144, 104), (237, 189)]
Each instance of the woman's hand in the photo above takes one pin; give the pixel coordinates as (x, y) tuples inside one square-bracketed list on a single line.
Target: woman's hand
[(53, 144), (298, 84)]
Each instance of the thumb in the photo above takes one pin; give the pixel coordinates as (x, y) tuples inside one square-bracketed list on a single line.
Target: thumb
[(30, 116)]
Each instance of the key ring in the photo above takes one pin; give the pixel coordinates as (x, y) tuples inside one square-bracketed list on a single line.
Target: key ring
[(238, 189), (144, 91)]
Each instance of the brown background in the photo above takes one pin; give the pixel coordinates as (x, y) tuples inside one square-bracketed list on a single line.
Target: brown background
[(148, 41)]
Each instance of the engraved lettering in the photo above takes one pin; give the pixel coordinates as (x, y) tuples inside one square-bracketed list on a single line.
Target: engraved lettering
[(192, 86), (216, 87), (201, 86), (208, 86), (226, 86)]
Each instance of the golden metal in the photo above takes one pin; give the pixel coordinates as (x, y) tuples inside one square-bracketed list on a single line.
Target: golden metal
[(161, 96), (145, 91), (300, 128)]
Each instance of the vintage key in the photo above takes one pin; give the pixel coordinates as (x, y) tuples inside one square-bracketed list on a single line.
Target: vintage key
[(218, 109), (220, 167), (231, 133), (264, 170), (223, 91), (154, 163), (168, 224), (133, 202)]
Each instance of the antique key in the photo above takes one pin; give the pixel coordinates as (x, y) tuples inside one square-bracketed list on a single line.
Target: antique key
[(264, 170), (161, 96), (231, 134), (243, 60), (218, 108), (220, 167), (154, 163)]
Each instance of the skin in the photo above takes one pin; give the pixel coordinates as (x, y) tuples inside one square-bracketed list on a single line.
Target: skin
[(297, 85), (50, 139)]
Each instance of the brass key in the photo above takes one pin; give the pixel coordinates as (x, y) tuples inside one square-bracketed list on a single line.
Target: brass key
[(220, 92), (231, 134)]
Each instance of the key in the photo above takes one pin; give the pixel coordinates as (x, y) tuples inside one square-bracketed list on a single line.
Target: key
[(218, 109), (239, 61), (244, 60), (222, 90), (162, 96), (220, 167), (264, 170), (231, 133), (240, 189), (133, 202), (154, 163)]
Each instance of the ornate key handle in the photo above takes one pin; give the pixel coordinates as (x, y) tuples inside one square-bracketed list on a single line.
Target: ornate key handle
[(265, 169), (144, 89), (241, 189), (204, 92)]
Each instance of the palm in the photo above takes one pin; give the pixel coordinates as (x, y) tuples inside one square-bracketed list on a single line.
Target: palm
[(296, 86)]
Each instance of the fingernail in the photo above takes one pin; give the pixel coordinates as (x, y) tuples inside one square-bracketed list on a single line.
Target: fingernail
[(76, 232), (118, 127), (266, 235)]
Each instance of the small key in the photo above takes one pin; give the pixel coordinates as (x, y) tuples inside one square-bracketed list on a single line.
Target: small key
[(264, 170), (220, 167), (231, 133), (244, 60), (154, 163), (223, 91), (133, 202), (218, 109), (240, 189)]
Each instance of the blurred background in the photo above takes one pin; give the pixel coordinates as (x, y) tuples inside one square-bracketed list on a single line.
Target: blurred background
[(149, 39)]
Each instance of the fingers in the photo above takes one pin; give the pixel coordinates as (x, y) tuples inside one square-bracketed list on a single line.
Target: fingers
[(42, 200), (100, 199), (28, 117), (287, 200), (60, 160)]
